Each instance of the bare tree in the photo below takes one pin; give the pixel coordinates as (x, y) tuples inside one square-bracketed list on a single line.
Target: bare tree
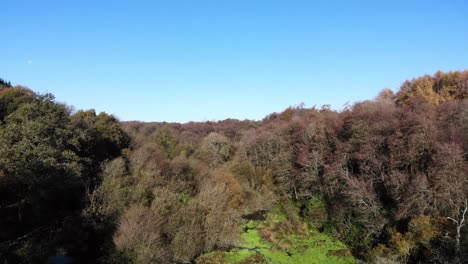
[(459, 224)]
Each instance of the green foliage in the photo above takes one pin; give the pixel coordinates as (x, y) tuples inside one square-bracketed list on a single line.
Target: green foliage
[(114, 194), (102, 137), (184, 198), (39, 159), (45, 174), (314, 210), (12, 98), (164, 137)]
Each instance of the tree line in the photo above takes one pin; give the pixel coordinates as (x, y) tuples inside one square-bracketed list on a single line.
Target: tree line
[(390, 174)]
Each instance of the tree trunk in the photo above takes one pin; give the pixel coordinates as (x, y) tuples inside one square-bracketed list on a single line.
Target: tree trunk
[(460, 222)]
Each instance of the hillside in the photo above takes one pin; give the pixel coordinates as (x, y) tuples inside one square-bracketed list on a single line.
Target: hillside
[(383, 181)]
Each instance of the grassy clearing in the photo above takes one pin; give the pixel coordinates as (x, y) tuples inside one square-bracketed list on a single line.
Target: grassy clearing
[(280, 239)]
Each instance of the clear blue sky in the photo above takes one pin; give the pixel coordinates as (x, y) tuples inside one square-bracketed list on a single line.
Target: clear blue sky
[(209, 60)]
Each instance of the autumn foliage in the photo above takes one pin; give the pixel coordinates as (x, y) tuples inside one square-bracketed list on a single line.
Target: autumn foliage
[(383, 176)]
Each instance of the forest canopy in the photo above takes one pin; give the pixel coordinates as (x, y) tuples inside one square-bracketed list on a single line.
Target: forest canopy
[(382, 181)]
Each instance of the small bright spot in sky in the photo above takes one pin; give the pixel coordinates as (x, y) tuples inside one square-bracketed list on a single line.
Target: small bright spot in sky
[(212, 60)]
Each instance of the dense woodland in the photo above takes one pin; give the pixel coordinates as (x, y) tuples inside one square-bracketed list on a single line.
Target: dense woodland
[(390, 176)]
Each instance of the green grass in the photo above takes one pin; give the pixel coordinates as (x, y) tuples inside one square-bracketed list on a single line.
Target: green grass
[(309, 246)]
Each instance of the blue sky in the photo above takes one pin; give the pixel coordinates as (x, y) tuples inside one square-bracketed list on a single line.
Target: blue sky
[(210, 60)]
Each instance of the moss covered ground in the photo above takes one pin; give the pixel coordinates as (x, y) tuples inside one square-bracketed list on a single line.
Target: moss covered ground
[(280, 239)]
